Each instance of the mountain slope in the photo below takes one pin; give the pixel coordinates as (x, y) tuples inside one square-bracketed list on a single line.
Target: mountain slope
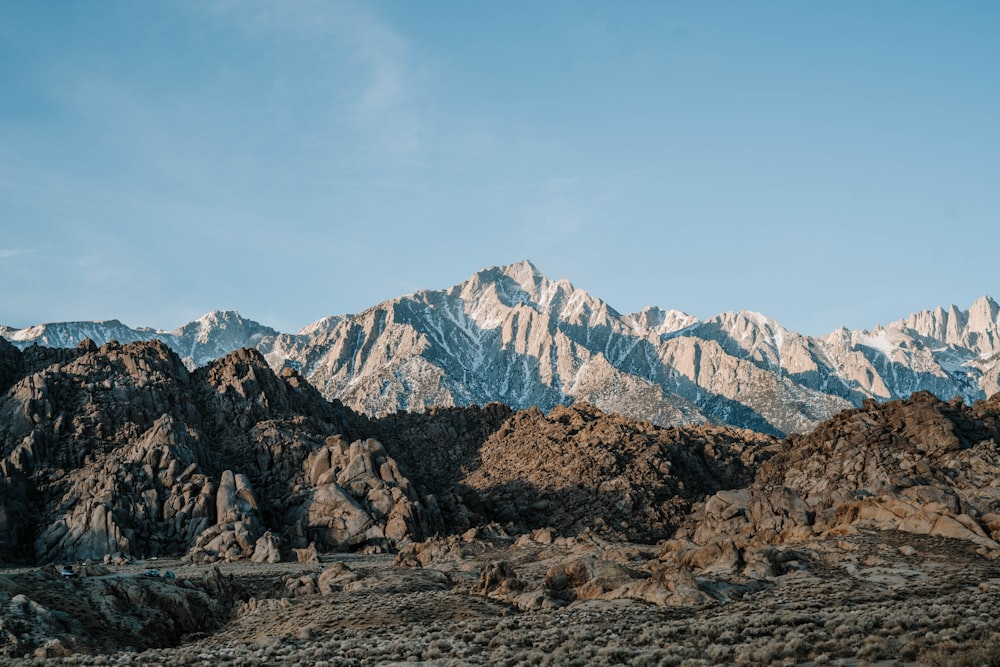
[(210, 337), (507, 334), (510, 334)]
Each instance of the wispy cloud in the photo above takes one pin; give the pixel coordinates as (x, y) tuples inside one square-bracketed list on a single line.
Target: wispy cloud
[(385, 102), (10, 253), (384, 53), (381, 96)]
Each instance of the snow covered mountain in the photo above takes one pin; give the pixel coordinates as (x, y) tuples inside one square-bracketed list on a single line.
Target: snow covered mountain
[(212, 336), (510, 334)]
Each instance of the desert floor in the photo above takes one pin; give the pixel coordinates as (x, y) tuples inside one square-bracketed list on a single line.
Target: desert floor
[(868, 598)]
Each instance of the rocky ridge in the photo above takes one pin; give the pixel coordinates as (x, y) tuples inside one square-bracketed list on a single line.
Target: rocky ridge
[(578, 518), (120, 451), (919, 466), (511, 335), (210, 337)]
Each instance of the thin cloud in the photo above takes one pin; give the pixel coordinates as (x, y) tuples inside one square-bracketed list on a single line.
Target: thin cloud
[(10, 253), (384, 53), (382, 105)]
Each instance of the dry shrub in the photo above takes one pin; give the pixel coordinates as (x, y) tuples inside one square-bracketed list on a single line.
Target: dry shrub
[(976, 656)]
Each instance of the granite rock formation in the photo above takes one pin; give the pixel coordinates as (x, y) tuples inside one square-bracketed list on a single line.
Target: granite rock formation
[(122, 451), (919, 466)]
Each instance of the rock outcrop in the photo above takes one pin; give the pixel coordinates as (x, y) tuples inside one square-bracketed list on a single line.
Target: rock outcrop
[(579, 468), (48, 618), (919, 465), (120, 451), (356, 496)]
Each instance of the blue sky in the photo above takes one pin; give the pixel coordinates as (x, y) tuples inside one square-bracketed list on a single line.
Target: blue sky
[(823, 163)]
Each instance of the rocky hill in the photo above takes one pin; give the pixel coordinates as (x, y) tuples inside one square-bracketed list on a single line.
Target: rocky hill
[(121, 451), (580, 469), (919, 466), (511, 335), (871, 537)]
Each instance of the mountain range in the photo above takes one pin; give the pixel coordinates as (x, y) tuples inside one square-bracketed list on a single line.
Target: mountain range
[(512, 335)]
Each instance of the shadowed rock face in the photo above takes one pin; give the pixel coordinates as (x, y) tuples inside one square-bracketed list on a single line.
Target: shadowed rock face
[(121, 450), (579, 468), (12, 366), (576, 468)]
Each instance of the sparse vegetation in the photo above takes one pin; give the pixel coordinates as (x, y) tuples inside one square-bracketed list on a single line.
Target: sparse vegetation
[(827, 617)]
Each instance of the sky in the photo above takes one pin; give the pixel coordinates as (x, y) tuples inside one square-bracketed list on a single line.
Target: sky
[(826, 164)]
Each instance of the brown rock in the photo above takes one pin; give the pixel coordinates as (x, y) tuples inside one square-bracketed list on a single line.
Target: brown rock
[(307, 555), (267, 549)]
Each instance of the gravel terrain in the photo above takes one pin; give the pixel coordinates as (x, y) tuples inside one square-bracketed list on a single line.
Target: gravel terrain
[(867, 598)]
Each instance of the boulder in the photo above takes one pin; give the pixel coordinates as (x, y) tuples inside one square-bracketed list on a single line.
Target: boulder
[(587, 578), (267, 549), (307, 555), (357, 498), (498, 579)]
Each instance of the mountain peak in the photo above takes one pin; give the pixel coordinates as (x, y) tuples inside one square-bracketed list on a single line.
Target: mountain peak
[(524, 273), (514, 283), (986, 303), (217, 318), (525, 266), (216, 315)]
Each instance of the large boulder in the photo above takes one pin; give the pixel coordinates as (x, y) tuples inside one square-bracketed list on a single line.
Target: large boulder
[(356, 496), (238, 526)]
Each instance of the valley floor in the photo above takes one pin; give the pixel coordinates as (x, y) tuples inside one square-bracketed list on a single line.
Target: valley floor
[(866, 598)]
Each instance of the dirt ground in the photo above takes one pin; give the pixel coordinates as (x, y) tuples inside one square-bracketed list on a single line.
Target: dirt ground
[(870, 598)]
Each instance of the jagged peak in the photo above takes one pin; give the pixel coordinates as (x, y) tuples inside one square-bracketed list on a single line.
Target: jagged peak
[(661, 320), (987, 300), (523, 268), (525, 274), (952, 323), (220, 320), (512, 284), (323, 324), (743, 318), (985, 304), (214, 316), (212, 319)]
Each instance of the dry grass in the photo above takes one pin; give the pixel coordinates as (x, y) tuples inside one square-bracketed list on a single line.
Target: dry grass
[(942, 617)]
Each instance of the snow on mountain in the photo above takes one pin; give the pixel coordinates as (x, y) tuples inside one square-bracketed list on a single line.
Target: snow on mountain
[(507, 334), (976, 329), (511, 334), (213, 335), (656, 321)]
